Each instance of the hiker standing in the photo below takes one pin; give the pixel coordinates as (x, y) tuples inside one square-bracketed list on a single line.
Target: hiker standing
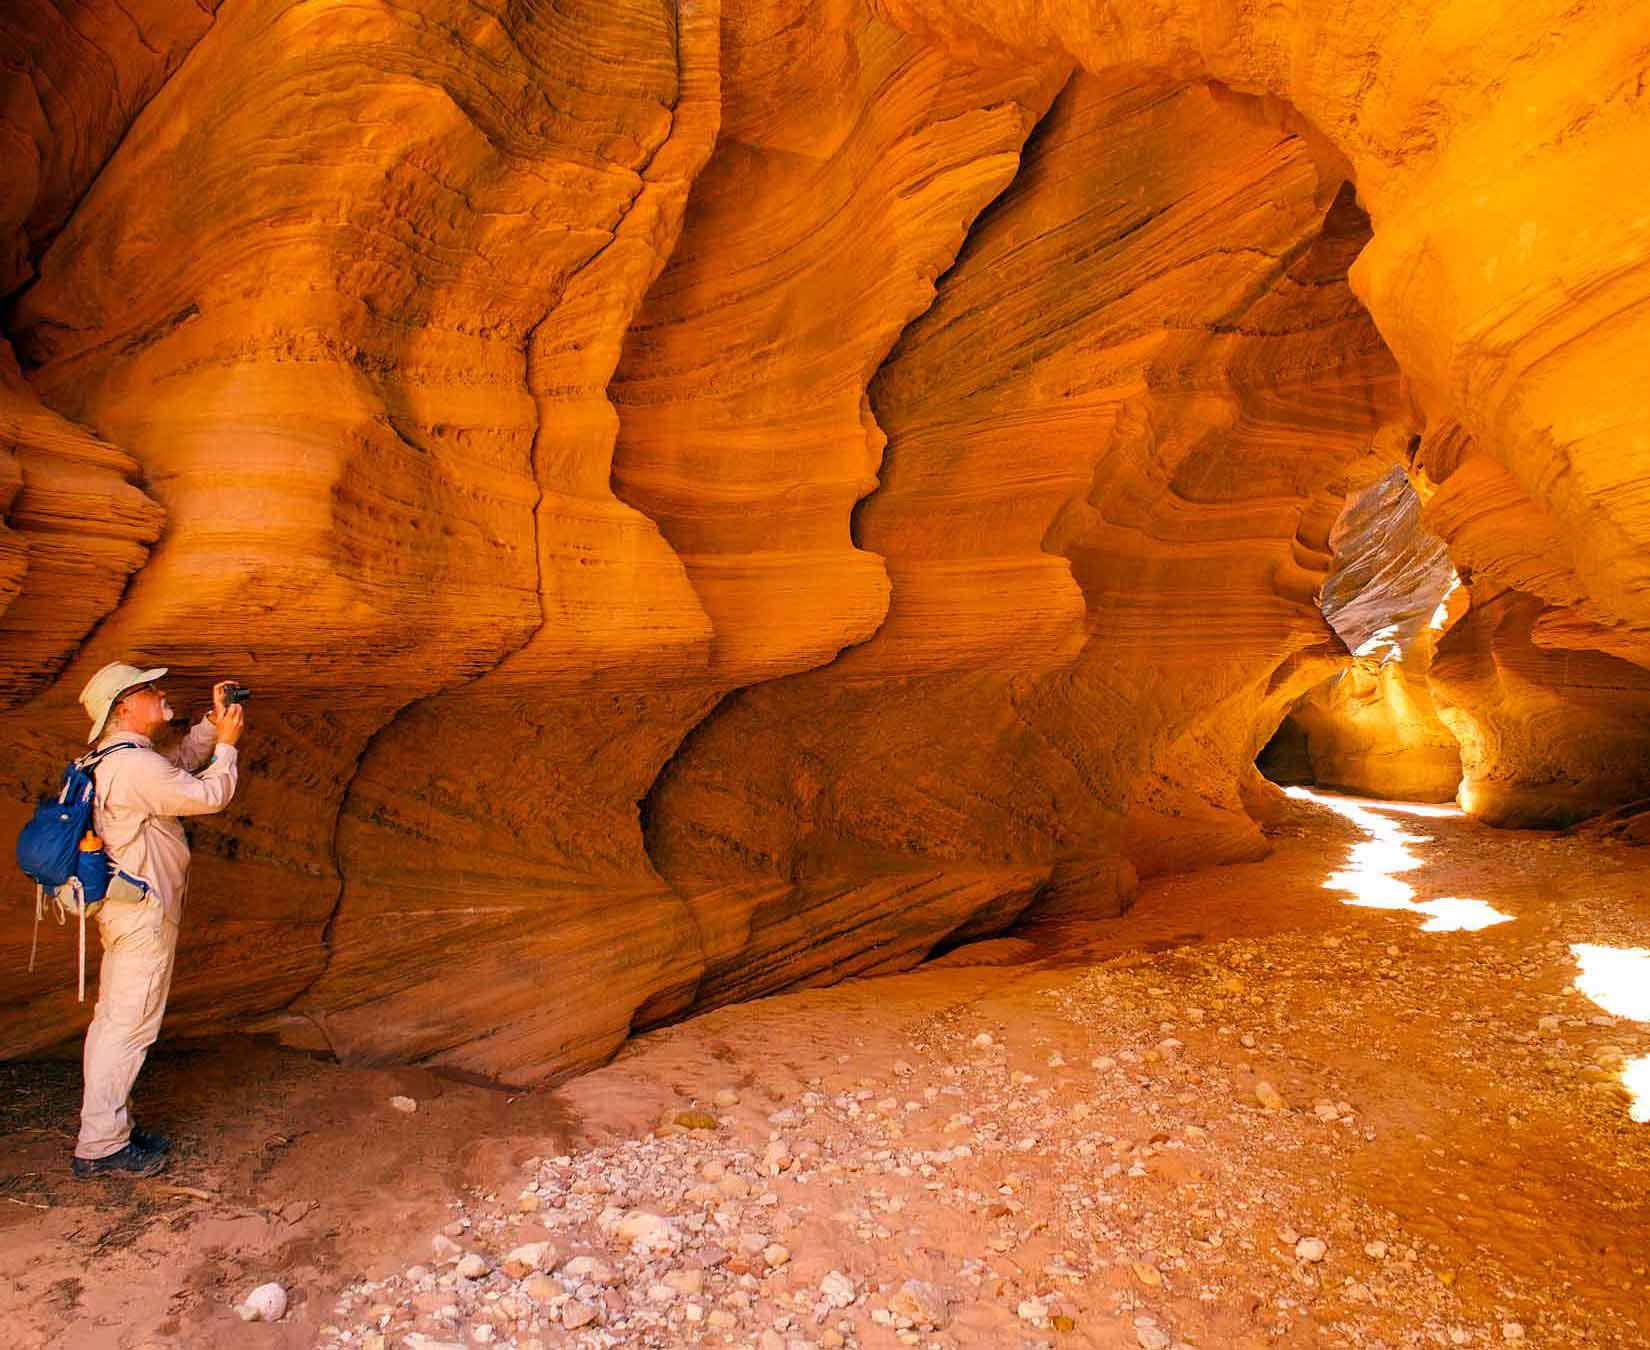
[(140, 795)]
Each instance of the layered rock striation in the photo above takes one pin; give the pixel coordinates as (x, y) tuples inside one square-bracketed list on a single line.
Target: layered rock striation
[(713, 498), (1094, 445)]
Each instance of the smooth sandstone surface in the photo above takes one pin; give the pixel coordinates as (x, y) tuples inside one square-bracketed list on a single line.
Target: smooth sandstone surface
[(714, 498)]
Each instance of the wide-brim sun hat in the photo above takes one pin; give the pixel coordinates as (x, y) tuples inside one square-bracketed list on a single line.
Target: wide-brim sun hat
[(104, 689)]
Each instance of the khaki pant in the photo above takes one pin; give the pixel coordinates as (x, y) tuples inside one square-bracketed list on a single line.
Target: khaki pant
[(136, 976)]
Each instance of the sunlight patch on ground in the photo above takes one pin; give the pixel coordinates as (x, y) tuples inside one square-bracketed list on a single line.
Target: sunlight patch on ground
[(1635, 1077), (1618, 980), (1369, 877), (1615, 978)]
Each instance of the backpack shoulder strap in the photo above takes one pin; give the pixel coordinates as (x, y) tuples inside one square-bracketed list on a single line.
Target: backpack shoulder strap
[(91, 760)]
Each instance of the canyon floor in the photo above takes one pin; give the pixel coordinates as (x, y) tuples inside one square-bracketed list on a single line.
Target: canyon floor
[(1250, 1113)]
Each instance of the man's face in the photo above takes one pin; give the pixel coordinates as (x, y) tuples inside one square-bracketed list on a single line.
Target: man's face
[(145, 709)]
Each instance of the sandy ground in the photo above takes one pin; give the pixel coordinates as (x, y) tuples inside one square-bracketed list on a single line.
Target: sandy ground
[(1247, 1114)]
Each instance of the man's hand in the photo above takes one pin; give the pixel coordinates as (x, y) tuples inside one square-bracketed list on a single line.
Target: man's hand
[(229, 719)]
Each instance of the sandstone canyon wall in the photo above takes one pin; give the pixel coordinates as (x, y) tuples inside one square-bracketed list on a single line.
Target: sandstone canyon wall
[(716, 498)]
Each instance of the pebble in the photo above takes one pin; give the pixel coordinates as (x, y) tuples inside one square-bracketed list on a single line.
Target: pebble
[(266, 1303), (694, 1120), (1147, 1273), (524, 1260), (922, 1303), (404, 1104), (648, 1233), (589, 1269), (1268, 1096), (1033, 1310), (1311, 1249), (471, 1266), (1150, 1338), (1512, 1331), (837, 1289), (576, 1313)]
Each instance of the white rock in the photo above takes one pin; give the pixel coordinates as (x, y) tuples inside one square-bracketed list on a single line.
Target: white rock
[(1512, 1331), (983, 1041), (472, 1266), (1311, 1249), (482, 1333), (526, 1259), (1150, 1338), (727, 1097), (1376, 1250), (648, 1233), (836, 1289), (266, 1303), (406, 1104), (588, 1269), (1033, 1310), (444, 1249)]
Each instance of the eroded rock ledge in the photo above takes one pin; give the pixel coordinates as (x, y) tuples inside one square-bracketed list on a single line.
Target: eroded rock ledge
[(719, 498)]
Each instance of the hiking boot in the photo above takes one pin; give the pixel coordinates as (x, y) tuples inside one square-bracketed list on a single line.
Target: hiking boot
[(150, 1141), (131, 1161)]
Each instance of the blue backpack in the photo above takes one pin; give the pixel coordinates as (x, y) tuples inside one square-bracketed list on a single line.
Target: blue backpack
[(49, 851)]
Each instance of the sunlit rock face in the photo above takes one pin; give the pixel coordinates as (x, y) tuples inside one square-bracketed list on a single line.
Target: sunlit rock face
[(716, 498), (1372, 729), (1544, 685), (73, 527), (356, 327), (1096, 441)]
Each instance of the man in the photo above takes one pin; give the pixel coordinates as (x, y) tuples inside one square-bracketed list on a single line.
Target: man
[(140, 795)]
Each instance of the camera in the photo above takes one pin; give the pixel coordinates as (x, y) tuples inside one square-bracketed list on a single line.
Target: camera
[(236, 693)]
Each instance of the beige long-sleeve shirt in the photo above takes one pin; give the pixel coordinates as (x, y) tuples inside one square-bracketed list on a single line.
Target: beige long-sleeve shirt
[(140, 795)]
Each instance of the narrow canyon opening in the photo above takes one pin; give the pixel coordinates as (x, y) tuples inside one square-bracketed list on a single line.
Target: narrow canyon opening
[(1373, 729), (925, 674)]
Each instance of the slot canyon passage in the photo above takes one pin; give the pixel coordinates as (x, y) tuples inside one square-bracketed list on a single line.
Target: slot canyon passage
[(926, 672)]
